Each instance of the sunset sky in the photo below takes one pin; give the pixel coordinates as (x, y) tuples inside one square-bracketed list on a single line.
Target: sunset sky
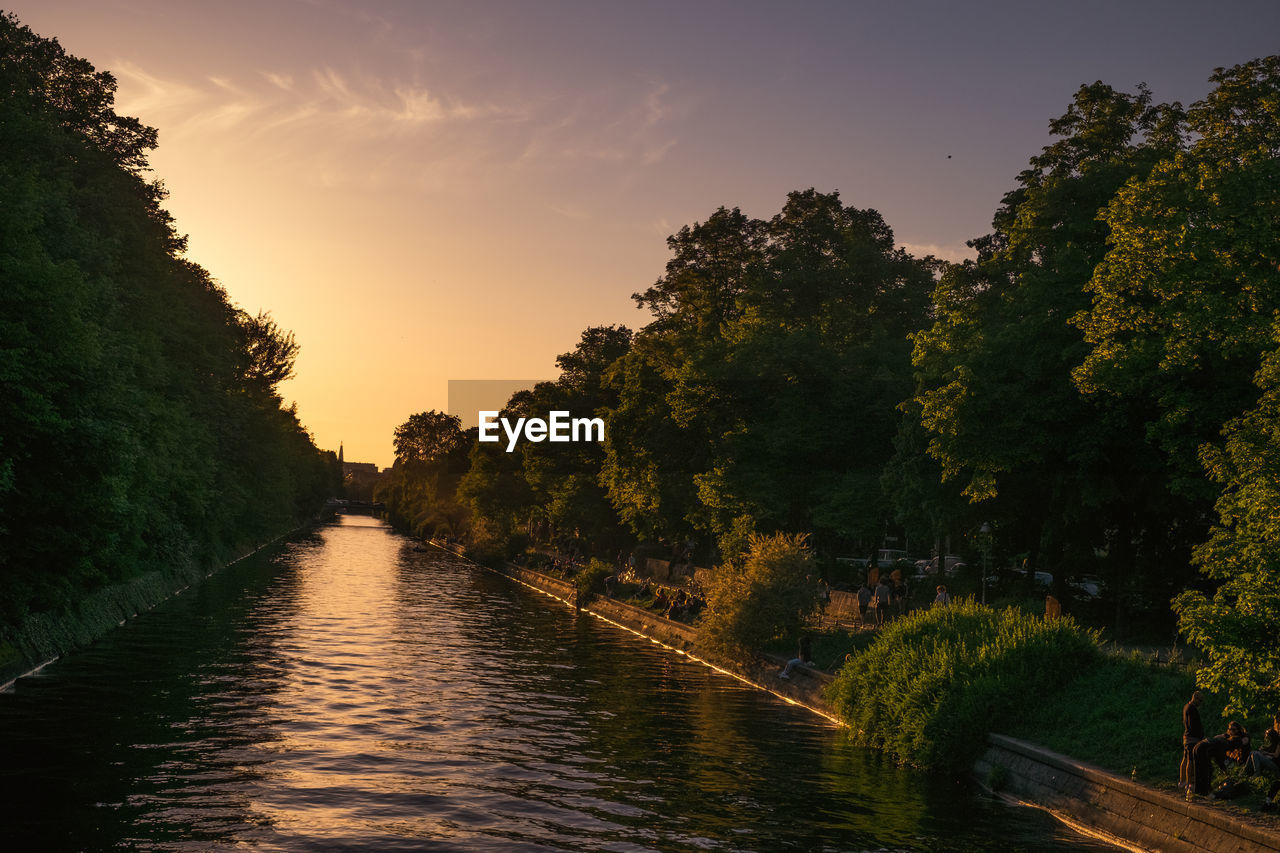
[(426, 191)]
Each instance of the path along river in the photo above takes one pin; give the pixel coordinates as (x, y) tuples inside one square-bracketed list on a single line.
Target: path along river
[(349, 693)]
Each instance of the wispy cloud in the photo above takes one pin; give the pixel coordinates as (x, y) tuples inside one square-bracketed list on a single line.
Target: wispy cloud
[(333, 124), (259, 101), (607, 126)]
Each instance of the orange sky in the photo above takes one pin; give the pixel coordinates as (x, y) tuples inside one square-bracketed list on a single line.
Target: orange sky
[(426, 191)]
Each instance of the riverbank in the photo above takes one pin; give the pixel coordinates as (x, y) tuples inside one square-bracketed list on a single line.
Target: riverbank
[(1138, 816), (805, 687), (44, 637), (1090, 800)]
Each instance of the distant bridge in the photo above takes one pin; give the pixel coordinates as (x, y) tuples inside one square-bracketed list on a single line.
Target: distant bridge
[(346, 507)]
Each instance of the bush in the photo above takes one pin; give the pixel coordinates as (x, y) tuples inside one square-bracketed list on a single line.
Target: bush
[(769, 596), (936, 682), (591, 579)]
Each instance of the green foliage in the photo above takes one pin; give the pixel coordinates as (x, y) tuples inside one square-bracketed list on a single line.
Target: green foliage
[(428, 436), (139, 427), (735, 542), (1063, 475), (421, 498), (770, 595), (590, 579), (769, 376), (1183, 302), (270, 352), (936, 682), (1235, 627)]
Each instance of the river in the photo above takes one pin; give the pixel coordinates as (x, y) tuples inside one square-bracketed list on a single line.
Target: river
[(347, 692)]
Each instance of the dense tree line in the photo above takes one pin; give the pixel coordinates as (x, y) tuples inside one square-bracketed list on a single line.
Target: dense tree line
[(1083, 392), (139, 419)]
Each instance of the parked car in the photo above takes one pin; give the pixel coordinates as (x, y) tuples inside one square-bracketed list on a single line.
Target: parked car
[(889, 556), (1087, 586), (952, 563), (1016, 577)]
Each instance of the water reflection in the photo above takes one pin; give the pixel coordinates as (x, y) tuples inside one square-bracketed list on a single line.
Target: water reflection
[(355, 694)]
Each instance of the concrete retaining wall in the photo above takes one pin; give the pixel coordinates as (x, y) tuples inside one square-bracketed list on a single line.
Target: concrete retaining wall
[(1147, 819), (804, 688)]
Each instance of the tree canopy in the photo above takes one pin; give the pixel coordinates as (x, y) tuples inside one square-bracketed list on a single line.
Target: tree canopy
[(1074, 399), (129, 438)]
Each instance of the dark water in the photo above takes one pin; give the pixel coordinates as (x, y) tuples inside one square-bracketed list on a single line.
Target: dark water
[(351, 694)]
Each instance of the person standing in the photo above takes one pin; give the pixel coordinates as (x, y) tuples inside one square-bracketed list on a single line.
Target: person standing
[(1192, 734), (864, 601), (883, 596)]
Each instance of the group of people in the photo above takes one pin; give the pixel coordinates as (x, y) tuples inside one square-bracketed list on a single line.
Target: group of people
[(1200, 754), (884, 597), (674, 602)]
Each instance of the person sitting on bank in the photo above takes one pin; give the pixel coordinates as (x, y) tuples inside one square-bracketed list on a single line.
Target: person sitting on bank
[(941, 599), (1230, 747), (802, 658), (1192, 734), (1265, 760)]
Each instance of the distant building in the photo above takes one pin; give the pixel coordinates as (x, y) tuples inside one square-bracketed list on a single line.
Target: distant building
[(349, 468)]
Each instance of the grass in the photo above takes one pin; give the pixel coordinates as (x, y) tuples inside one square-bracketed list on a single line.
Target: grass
[(1122, 714), (1125, 715), (931, 685)]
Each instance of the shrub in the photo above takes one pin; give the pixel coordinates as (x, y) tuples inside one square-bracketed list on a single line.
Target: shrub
[(591, 578), (770, 595), (936, 682)]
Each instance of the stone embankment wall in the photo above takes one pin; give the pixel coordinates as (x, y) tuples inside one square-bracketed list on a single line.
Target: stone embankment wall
[(1092, 801), (1111, 806), (44, 637)]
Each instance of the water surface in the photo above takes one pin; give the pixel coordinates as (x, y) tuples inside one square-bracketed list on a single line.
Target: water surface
[(350, 693)]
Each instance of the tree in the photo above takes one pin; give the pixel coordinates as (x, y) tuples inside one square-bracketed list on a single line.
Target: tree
[(557, 482), (658, 437), (1182, 302), (40, 78), (428, 436), (1061, 473), (1235, 626), (270, 351), (770, 343), (128, 437), (812, 372)]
